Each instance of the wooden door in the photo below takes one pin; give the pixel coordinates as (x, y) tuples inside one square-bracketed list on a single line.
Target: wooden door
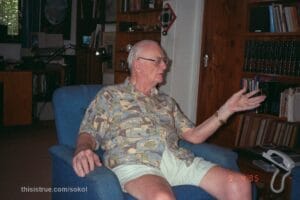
[(221, 61)]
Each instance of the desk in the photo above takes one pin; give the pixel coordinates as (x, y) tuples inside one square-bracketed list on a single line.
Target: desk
[(24, 89), (17, 97)]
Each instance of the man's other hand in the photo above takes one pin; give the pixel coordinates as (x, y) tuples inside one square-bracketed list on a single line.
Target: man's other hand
[(85, 161)]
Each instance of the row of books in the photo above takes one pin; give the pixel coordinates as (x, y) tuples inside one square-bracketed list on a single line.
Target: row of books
[(138, 5), (277, 97), (275, 17), (260, 130), (290, 104), (273, 57)]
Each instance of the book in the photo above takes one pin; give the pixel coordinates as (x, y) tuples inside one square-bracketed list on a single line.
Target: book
[(294, 140), (277, 22), (239, 130), (291, 17), (243, 137), (293, 105), (287, 136), (261, 131), (282, 21), (271, 17), (253, 131)]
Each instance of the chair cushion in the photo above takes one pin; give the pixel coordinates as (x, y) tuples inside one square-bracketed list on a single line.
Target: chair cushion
[(70, 103)]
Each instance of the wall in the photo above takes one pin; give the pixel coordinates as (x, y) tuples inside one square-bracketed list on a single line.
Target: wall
[(182, 45)]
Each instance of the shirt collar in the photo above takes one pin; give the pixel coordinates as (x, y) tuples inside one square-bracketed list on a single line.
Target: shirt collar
[(132, 89)]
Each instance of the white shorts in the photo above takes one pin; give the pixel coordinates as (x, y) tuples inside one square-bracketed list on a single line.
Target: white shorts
[(172, 169)]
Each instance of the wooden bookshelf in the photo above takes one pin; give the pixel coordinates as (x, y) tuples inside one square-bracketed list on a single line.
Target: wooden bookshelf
[(225, 32), (134, 23)]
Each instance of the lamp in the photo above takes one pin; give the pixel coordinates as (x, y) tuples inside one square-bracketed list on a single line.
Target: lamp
[(103, 54)]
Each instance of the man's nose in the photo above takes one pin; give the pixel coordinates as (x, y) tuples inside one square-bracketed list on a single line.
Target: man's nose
[(163, 65)]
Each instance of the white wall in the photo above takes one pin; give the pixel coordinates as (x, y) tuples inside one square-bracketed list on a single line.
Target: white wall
[(182, 45)]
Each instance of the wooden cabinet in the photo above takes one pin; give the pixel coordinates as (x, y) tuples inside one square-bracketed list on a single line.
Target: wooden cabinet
[(134, 23), (17, 97), (227, 30)]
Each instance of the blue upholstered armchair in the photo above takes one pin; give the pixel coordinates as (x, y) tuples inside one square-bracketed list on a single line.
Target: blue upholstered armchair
[(69, 105)]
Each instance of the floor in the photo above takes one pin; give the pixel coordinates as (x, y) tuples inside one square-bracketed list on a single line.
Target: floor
[(25, 162)]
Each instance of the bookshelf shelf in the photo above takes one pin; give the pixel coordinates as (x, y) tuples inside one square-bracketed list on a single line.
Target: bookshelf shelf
[(140, 32), (281, 78), (142, 11), (133, 26), (267, 1), (272, 36)]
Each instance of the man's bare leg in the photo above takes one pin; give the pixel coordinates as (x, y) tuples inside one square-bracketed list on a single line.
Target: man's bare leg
[(226, 184), (150, 187)]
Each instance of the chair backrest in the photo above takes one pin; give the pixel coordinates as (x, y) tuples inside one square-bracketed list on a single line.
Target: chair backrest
[(69, 105)]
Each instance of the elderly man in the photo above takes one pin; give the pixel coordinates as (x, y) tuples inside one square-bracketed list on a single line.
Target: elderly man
[(139, 128)]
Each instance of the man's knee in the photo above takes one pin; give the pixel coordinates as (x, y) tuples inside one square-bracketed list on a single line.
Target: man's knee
[(238, 185), (163, 195)]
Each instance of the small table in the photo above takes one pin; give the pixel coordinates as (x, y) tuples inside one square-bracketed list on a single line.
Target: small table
[(1, 103), (263, 178)]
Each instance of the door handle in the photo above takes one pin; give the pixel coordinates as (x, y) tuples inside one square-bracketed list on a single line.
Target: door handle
[(205, 60)]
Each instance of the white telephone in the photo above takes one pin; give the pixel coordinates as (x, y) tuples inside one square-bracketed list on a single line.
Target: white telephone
[(281, 160)]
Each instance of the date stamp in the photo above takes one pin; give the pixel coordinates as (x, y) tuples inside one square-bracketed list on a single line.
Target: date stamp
[(250, 177), (253, 177)]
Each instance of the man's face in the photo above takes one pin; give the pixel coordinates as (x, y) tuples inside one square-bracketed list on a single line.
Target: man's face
[(153, 63)]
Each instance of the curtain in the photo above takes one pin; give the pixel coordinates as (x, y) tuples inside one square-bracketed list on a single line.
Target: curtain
[(30, 20)]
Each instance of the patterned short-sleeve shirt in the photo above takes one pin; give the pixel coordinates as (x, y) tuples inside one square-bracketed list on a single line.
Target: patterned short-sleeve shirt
[(134, 128)]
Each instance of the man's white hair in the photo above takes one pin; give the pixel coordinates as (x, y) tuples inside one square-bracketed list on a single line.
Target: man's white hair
[(133, 53)]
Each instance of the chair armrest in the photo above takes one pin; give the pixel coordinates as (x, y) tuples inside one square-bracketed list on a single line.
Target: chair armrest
[(222, 156), (101, 183)]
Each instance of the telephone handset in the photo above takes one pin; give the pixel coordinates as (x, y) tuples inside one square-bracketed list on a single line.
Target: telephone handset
[(281, 160)]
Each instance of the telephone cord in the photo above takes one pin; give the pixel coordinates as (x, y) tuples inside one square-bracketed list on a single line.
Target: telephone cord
[(282, 181)]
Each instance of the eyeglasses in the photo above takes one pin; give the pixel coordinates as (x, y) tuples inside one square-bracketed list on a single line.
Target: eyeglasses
[(157, 61)]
